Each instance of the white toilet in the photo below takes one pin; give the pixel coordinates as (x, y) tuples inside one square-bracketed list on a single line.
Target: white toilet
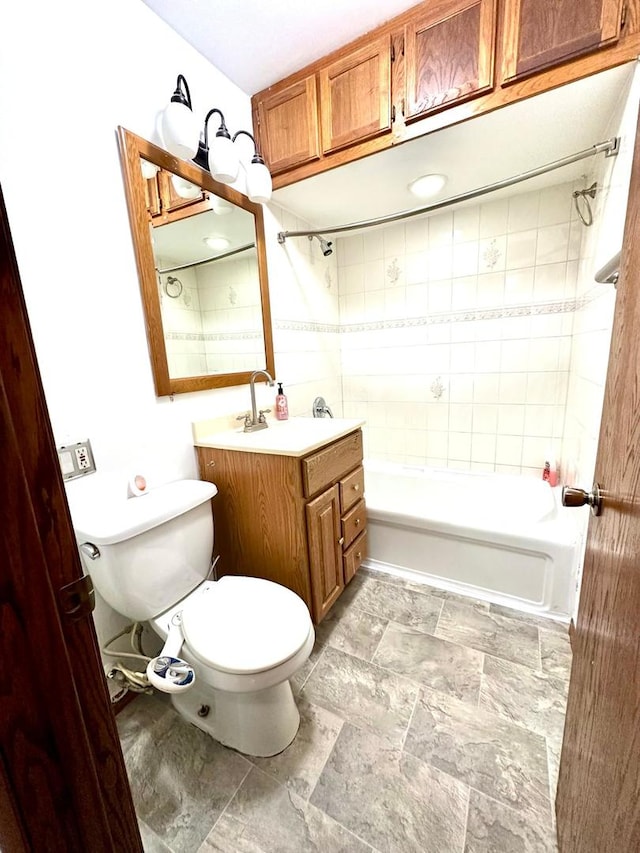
[(244, 637)]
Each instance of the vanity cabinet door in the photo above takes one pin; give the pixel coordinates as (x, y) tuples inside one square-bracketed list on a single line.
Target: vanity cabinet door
[(355, 96), (325, 551), (448, 54), (540, 34), (287, 124)]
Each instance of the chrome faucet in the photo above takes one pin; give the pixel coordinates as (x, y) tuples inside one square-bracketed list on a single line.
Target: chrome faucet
[(255, 421)]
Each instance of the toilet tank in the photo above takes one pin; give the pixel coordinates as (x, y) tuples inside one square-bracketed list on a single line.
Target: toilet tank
[(153, 550)]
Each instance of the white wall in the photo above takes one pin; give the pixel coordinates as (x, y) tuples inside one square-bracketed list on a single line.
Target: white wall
[(71, 73)]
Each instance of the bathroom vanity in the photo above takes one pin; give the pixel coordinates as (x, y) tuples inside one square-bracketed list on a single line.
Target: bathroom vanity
[(290, 506)]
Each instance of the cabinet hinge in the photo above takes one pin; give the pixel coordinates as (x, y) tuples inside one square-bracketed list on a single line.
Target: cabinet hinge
[(623, 16), (77, 599)]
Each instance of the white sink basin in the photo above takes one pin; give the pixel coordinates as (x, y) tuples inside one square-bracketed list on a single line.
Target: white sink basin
[(294, 437)]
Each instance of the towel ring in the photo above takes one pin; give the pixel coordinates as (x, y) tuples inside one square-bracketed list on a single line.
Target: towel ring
[(173, 287), (587, 216)]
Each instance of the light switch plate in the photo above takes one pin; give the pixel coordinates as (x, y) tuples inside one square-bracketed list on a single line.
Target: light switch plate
[(76, 460)]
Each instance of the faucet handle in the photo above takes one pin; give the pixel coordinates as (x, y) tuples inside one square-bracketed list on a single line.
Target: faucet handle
[(246, 418), (263, 412)]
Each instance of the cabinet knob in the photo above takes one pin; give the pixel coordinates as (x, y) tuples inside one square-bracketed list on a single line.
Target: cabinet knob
[(356, 488), (211, 464), (357, 522), (359, 555), (341, 540)]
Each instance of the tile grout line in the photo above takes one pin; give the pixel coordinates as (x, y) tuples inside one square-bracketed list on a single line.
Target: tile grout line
[(300, 689), (438, 619), (382, 636), (413, 710), (228, 803), (466, 820)]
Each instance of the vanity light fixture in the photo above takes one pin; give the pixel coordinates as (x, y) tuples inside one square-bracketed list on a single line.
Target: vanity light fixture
[(427, 186), (219, 206), (218, 244), (219, 156), (149, 170), (185, 189), (178, 124)]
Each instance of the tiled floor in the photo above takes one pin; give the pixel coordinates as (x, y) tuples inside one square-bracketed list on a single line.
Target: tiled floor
[(430, 723)]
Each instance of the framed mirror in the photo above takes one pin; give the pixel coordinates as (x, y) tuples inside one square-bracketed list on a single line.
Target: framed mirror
[(202, 267)]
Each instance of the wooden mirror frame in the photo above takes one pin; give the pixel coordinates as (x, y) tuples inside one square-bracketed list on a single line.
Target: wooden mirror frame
[(132, 148)]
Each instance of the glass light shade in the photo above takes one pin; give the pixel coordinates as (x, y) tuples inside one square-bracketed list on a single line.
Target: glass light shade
[(223, 159), (219, 206), (185, 189), (218, 244), (428, 185), (149, 170), (258, 183), (180, 132)]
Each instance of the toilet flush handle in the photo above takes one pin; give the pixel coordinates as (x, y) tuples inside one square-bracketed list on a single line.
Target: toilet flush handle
[(90, 550)]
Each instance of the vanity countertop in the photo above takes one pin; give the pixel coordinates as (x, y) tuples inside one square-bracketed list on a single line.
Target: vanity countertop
[(293, 437)]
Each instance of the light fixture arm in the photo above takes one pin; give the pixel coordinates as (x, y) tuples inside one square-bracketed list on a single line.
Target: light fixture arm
[(222, 130), (179, 96), (256, 154)]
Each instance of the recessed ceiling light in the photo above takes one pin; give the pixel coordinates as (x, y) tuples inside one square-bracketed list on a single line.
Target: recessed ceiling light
[(218, 244), (428, 185)]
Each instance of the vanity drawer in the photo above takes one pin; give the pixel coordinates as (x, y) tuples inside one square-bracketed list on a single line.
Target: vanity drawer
[(323, 468), (353, 557), (352, 488), (354, 522)]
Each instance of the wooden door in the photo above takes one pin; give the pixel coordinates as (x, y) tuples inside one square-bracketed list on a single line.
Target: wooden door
[(539, 34), (287, 118), (63, 785), (325, 551), (355, 96), (448, 55), (598, 802)]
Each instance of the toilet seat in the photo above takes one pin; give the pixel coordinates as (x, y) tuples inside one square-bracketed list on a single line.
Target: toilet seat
[(245, 625)]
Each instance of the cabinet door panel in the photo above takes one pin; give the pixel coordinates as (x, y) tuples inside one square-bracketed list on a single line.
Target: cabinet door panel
[(449, 55), (325, 551), (288, 120), (539, 34), (355, 100)]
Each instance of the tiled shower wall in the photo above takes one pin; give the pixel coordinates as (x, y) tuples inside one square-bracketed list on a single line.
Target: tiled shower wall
[(456, 332)]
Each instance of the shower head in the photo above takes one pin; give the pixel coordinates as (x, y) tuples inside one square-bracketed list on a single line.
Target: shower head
[(325, 245)]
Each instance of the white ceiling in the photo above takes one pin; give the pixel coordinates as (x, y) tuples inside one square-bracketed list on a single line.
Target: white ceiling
[(258, 42)]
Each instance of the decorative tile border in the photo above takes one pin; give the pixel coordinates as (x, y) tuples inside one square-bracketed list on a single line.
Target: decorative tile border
[(213, 336)]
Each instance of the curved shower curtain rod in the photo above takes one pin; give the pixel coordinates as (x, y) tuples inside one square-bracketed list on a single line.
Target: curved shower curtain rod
[(610, 148)]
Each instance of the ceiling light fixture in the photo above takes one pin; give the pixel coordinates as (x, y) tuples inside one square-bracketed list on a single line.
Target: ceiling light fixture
[(427, 186), (218, 244), (219, 156)]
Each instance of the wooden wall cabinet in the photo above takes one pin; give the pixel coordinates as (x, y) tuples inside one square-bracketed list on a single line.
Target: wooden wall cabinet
[(298, 521), (287, 124), (539, 34), (449, 50), (165, 205), (355, 95)]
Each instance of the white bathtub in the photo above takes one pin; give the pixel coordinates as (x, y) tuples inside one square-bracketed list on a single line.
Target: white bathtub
[(498, 537)]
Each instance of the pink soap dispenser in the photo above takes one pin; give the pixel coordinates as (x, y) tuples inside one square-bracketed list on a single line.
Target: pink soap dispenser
[(282, 407)]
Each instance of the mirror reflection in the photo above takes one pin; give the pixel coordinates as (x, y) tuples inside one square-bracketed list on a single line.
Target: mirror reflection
[(209, 286), (202, 266)]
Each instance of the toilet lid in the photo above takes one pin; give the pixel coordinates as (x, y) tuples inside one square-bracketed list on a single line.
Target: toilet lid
[(245, 625)]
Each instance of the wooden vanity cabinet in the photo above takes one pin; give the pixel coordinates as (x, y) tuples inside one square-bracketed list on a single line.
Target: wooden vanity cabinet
[(539, 34), (449, 48), (298, 521)]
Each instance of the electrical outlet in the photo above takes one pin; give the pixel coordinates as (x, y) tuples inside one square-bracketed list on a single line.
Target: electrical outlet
[(76, 460)]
